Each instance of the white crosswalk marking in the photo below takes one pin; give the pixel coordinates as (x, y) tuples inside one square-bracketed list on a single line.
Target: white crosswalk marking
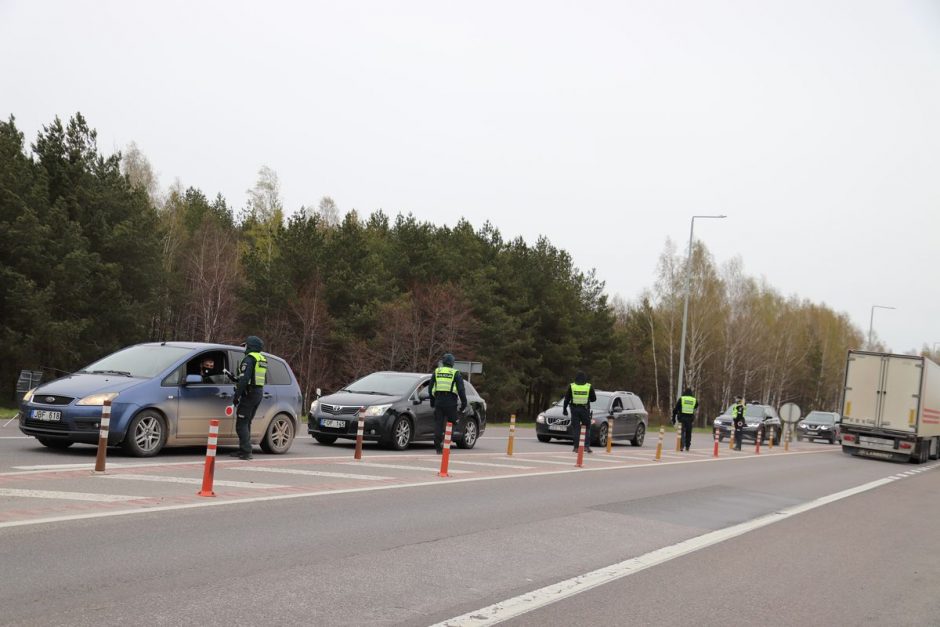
[(400, 467), (315, 473), (529, 460), (89, 465), (491, 465), (67, 496), (192, 481)]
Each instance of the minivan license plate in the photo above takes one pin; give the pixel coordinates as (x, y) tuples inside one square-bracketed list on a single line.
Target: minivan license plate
[(334, 424), (46, 415)]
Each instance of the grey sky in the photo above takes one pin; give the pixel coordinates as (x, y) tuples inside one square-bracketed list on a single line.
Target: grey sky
[(602, 125)]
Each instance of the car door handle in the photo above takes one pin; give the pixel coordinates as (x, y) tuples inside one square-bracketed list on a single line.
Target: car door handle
[(266, 395), (224, 395)]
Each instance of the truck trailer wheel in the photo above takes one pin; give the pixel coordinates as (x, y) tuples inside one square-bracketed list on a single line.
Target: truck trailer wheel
[(934, 449)]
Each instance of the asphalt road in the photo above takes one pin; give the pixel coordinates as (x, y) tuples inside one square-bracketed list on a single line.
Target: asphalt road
[(314, 542)]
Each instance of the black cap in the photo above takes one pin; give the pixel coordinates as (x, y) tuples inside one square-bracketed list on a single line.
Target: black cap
[(448, 360)]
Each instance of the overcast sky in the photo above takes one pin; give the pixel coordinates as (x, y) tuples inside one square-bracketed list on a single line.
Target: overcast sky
[(814, 125)]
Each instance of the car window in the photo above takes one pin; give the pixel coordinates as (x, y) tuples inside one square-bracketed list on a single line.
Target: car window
[(618, 404), (144, 361), (603, 400), (636, 402), (277, 373), (208, 365)]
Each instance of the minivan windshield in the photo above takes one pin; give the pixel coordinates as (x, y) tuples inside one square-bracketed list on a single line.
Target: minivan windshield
[(144, 361), (386, 383)]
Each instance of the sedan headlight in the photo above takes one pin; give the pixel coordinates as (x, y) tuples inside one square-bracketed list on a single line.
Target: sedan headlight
[(821, 428), (314, 405), (97, 399), (376, 410), (29, 395), (540, 419)]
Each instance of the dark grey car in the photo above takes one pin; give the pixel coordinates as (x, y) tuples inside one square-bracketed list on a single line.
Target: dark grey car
[(630, 420), (820, 425), (758, 418)]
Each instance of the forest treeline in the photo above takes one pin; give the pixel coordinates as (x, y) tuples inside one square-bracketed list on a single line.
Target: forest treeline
[(95, 257)]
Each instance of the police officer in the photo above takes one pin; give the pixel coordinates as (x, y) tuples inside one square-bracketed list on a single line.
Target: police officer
[(580, 395), (684, 412), (446, 387), (737, 417), (248, 393)]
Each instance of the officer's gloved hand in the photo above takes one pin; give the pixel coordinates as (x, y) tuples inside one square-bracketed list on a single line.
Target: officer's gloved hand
[(235, 400), (463, 408)]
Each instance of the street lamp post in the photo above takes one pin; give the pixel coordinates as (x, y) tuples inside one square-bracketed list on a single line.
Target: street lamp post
[(871, 320), (685, 306)]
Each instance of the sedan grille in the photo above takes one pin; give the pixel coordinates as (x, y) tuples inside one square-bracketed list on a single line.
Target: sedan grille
[(558, 420), (52, 400), (340, 410)]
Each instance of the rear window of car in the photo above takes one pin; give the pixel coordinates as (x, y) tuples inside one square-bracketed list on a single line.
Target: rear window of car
[(277, 373)]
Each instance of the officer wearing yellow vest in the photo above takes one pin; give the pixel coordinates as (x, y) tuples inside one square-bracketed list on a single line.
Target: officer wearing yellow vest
[(684, 412), (580, 395), (252, 374), (737, 419), (446, 388)]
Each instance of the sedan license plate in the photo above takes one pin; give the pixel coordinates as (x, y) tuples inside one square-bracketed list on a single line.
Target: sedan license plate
[(557, 427), (46, 415), (334, 424)]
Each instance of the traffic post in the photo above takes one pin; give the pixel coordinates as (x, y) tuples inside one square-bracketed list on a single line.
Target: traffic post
[(786, 438), (770, 440), (512, 434), (610, 435), (731, 439), (659, 445), (208, 474), (757, 438), (103, 427), (678, 437), (445, 456), (715, 453), (580, 462), (359, 430)]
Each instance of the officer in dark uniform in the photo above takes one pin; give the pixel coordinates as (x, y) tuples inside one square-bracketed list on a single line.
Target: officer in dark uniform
[(252, 374), (445, 389), (684, 412), (580, 395), (737, 417)]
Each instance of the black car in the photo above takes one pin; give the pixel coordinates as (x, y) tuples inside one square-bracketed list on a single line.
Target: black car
[(629, 416), (820, 425), (397, 412), (757, 417)]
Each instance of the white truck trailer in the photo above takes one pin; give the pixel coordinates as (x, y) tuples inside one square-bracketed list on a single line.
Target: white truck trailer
[(891, 406)]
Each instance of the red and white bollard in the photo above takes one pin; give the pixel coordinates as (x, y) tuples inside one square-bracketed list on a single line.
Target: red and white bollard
[(445, 456), (103, 427), (359, 431), (757, 437), (512, 434), (715, 452), (209, 473), (580, 462)]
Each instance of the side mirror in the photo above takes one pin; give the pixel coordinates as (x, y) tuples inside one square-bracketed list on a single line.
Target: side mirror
[(192, 378), (319, 393)]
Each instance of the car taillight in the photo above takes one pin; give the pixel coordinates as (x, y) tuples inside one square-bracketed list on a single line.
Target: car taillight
[(848, 438), (905, 445)]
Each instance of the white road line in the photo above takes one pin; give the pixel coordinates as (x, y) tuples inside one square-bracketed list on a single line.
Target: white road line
[(314, 473), (67, 496), (372, 488), (89, 465), (192, 481), (525, 603), (401, 467), (491, 465), (548, 461), (602, 458)]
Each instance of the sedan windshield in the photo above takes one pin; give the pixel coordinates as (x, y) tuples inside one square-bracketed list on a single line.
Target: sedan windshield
[(386, 383), (820, 418), (144, 361), (750, 411)]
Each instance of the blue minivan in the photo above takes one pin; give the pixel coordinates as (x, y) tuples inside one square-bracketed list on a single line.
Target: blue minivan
[(162, 394)]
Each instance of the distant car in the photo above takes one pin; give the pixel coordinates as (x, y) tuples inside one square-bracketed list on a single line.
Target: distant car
[(820, 425), (397, 412), (630, 420), (757, 417), (160, 398)]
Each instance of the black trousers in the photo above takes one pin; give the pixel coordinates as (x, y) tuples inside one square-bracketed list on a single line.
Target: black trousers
[(442, 415), (243, 417), (738, 436), (580, 416), (686, 421)]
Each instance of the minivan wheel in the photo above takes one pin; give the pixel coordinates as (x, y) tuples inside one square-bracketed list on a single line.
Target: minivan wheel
[(325, 439), (146, 434), (401, 434), (55, 443), (639, 436), (470, 434), (279, 435)]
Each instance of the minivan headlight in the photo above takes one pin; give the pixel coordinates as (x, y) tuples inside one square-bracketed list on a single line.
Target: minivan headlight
[(313, 406), (29, 395), (376, 410), (97, 399)]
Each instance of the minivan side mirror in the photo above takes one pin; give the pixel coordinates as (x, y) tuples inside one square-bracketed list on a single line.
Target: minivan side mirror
[(192, 378)]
